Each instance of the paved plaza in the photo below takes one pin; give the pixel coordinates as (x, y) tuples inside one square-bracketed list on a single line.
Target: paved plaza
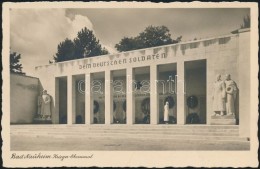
[(84, 144)]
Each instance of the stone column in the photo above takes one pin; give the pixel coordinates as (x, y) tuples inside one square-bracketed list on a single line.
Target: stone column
[(154, 103), (130, 99), (210, 78), (71, 100), (108, 98), (55, 115), (180, 93), (88, 99)]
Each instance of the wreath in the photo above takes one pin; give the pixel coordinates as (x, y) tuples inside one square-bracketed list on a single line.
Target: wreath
[(124, 105), (192, 102), (170, 100), (145, 106), (96, 106)]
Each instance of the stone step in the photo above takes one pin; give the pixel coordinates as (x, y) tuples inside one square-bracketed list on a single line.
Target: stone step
[(162, 133), (196, 130), (233, 133), (128, 132), (162, 128), (129, 129), (134, 135), (138, 126), (212, 133)]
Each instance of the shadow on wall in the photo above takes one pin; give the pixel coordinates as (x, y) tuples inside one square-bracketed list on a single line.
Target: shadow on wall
[(23, 98), (237, 107)]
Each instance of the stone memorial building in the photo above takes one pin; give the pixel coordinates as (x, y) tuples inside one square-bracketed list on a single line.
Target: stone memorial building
[(133, 87)]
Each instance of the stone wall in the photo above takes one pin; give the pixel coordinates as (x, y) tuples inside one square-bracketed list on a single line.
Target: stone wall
[(24, 93), (244, 83)]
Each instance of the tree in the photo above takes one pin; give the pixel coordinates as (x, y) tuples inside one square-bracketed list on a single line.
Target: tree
[(84, 45), (155, 36), (127, 44), (87, 45), (15, 66), (246, 22), (152, 36), (66, 51)]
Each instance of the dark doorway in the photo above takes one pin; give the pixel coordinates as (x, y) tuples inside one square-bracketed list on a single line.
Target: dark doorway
[(196, 88)]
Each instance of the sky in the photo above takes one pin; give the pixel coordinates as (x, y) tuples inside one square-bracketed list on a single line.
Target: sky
[(36, 33)]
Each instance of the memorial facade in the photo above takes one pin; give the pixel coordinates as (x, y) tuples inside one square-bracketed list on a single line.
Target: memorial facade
[(188, 82)]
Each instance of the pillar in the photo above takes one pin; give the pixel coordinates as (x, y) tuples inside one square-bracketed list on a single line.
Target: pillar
[(130, 99), (210, 78), (71, 100), (55, 115), (180, 93), (88, 99), (154, 103), (108, 98)]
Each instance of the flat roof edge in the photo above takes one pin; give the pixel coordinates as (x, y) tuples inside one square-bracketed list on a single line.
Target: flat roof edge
[(23, 75), (186, 42)]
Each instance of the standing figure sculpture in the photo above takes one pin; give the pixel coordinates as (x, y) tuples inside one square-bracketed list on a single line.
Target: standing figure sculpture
[(46, 105), (219, 94), (166, 112), (231, 92)]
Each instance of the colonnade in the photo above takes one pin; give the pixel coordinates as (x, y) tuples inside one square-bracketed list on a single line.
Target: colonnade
[(130, 111)]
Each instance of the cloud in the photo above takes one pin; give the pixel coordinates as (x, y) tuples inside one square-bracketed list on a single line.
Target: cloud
[(77, 24), (35, 33)]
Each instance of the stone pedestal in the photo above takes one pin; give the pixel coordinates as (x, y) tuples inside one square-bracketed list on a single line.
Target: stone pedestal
[(40, 120), (223, 120)]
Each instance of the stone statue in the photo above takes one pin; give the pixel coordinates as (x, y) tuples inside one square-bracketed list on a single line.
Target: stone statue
[(231, 92), (166, 112), (46, 105), (219, 94)]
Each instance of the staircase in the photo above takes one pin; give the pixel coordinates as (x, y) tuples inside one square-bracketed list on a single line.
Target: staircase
[(216, 133)]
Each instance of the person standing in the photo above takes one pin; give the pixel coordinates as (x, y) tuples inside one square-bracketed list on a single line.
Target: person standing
[(166, 113), (46, 105), (231, 90), (219, 94)]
